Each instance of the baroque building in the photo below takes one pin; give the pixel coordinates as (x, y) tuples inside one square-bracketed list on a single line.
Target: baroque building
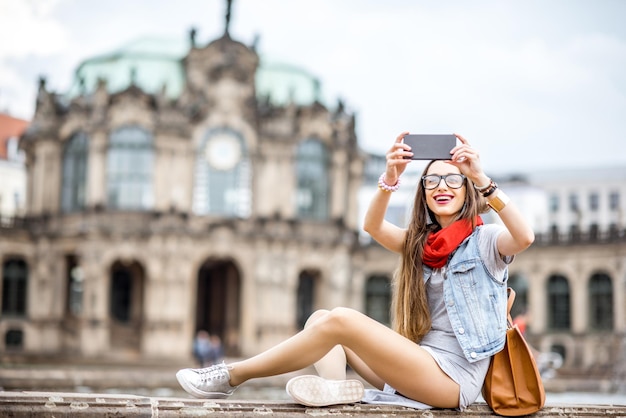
[(169, 194)]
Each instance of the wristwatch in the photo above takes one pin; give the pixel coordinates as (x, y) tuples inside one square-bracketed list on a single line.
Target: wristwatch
[(499, 201)]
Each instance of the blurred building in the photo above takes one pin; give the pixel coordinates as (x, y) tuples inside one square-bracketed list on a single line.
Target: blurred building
[(12, 169), (185, 187), (572, 280), (176, 189)]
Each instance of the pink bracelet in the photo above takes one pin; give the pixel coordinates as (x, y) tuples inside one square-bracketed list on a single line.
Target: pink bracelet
[(385, 187)]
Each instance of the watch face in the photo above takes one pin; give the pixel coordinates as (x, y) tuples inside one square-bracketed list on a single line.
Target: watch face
[(223, 151)]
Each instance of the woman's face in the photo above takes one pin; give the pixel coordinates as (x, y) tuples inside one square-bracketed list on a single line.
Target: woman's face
[(444, 201)]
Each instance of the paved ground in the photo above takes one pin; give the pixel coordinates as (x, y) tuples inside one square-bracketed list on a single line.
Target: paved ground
[(100, 390), (59, 404)]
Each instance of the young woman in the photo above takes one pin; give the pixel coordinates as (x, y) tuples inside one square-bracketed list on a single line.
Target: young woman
[(449, 303)]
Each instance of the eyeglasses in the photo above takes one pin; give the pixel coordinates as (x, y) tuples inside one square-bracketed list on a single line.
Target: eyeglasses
[(453, 181)]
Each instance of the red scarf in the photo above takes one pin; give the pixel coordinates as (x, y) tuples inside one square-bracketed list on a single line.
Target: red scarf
[(440, 244)]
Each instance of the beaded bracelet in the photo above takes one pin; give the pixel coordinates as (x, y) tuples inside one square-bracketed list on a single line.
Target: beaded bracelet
[(385, 187), (482, 189), (493, 186)]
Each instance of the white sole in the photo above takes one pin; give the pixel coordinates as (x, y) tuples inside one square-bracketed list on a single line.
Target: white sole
[(313, 390)]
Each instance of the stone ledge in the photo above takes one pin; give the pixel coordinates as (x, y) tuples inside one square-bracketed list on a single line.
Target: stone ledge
[(58, 405)]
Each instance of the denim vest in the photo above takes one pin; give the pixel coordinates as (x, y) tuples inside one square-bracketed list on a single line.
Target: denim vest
[(475, 300)]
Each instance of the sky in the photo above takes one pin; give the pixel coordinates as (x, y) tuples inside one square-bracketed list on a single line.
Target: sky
[(532, 84)]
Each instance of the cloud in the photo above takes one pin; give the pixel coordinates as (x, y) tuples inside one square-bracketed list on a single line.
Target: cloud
[(531, 79), (27, 27), (15, 93), (30, 32)]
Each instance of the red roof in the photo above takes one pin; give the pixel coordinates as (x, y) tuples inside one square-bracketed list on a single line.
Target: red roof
[(10, 127)]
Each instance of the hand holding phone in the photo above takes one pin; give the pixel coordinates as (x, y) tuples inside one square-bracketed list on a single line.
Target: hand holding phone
[(430, 147)]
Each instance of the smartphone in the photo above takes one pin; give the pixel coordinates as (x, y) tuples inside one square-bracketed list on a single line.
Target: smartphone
[(430, 147)]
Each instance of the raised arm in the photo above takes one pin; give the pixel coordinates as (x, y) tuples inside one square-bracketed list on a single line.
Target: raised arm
[(385, 233), (518, 235)]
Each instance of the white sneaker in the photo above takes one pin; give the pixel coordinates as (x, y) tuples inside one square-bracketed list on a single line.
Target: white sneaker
[(211, 382), (311, 390)]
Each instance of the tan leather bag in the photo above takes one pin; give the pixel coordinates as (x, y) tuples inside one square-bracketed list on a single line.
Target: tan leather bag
[(513, 385)]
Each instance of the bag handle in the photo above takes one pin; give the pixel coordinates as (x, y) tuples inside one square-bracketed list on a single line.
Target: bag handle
[(511, 298)]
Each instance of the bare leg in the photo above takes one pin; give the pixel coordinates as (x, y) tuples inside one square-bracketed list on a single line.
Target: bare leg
[(363, 369), (333, 365), (395, 359), (300, 351)]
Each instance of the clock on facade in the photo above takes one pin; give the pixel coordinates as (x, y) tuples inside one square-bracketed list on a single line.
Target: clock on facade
[(223, 150)]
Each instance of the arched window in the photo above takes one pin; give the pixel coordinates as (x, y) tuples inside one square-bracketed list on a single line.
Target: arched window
[(222, 178), (126, 305), (600, 302), (378, 298), (74, 286), (312, 196), (519, 283), (305, 299), (14, 287), (126, 292), (121, 294), (75, 155), (558, 303), (14, 339), (130, 169)]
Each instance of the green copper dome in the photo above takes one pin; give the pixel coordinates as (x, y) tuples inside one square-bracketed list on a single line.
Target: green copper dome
[(156, 63), (283, 83)]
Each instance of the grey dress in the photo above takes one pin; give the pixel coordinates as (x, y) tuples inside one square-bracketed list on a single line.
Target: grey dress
[(441, 342)]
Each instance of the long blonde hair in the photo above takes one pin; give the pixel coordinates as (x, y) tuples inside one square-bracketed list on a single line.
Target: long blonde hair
[(410, 312)]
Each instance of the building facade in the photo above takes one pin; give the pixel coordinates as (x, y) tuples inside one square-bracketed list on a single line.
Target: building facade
[(151, 214), (572, 280)]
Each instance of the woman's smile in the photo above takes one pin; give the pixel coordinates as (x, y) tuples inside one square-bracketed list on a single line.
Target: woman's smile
[(443, 198)]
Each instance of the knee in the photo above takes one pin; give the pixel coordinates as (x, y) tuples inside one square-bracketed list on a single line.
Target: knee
[(315, 316), (337, 322), (340, 320)]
